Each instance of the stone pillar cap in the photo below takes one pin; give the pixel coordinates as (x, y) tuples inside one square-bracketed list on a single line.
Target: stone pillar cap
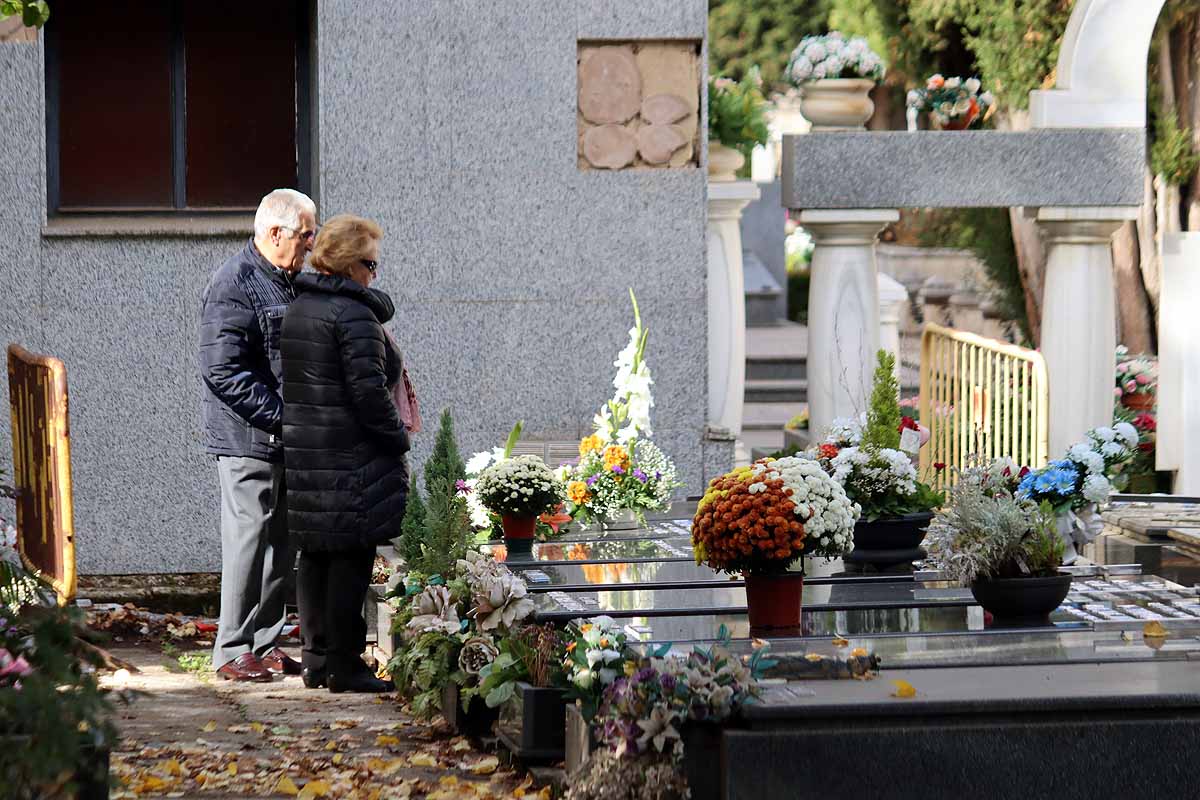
[(936, 290)]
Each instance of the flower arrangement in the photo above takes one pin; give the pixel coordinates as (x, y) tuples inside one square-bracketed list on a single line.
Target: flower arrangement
[(619, 468), (763, 517), (596, 651), (529, 653), (1135, 375), (1085, 476), (952, 102), (989, 531), (736, 112), (833, 56), (522, 486)]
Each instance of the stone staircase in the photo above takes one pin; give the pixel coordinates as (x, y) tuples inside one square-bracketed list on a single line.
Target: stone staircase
[(776, 384)]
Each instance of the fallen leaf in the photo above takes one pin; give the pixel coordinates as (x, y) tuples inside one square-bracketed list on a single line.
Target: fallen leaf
[(285, 785), (150, 783), (485, 766), (838, 641), (1154, 630), (448, 780), (460, 745), (386, 741), (314, 789), (210, 726), (257, 727), (813, 657), (858, 652), (422, 760), (343, 724), (904, 689), (337, 758), (171, 767), (331, 745)]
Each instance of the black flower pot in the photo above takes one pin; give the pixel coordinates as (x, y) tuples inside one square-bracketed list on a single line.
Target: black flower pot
[(1021, 602), (475, 721), (533, 723), (888, 544)]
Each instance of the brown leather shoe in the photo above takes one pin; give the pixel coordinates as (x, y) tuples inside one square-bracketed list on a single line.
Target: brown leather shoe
[(281, 663), (245, 667)]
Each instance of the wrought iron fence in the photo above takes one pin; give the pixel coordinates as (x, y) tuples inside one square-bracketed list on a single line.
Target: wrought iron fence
[(980, 397)]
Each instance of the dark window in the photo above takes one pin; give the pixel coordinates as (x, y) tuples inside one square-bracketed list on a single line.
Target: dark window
[(175, 105)]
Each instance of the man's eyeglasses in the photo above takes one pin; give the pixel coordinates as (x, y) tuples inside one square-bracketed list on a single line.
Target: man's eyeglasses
[(372, 266)]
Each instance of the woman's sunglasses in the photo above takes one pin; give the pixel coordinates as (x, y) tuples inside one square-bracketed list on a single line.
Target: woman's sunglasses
[(371, 266)]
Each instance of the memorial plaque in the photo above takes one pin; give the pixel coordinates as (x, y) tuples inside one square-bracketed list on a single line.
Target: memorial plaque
[(41, 440)]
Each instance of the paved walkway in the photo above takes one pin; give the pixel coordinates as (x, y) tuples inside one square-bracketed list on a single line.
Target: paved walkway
[(192, 735)]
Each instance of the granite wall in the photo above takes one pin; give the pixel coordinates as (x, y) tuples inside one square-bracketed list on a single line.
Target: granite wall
[(454, 125)]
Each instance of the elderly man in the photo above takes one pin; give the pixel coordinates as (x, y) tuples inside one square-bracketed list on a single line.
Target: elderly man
[(243, 419)]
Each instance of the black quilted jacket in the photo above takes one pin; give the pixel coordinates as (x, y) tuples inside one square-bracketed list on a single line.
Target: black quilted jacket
[(243, 307), (344, 443)]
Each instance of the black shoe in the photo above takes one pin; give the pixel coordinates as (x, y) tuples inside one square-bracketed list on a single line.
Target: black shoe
[(314, 678), (363, 682)]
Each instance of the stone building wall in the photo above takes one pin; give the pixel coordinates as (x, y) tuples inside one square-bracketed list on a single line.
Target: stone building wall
[(455, 124)]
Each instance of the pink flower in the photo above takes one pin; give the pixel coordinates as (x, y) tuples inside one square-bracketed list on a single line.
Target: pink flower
[(1131, 386), (1123, 366), (1143, 379), (10, 666), (1117, 391)]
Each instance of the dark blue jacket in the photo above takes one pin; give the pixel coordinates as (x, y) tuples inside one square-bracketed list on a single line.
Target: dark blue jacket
[(240, 320)]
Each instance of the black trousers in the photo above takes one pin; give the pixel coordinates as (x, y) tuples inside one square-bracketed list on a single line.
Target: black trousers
[(330, 589)]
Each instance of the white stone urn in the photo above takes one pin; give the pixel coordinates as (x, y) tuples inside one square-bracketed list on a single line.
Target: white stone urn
[(837, 104), (723, 162)]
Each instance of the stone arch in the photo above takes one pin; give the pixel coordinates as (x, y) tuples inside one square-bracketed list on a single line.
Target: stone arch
[(1101, 73)]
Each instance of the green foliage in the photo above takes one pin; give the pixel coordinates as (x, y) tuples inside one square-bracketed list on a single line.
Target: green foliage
[(445, 465), (987, 233), (33, 13), (736, 113), (883, 417), (743, 34), (423, 668), (1171, 153), (412, 529), (447, 531)]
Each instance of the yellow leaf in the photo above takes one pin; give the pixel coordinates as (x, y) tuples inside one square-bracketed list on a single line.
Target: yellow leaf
[(151, 783), (386, 741), (813, 657), (231, 769), (1154, 630), (171, 768), (422, 760), (343, 724), (544, 793), (287, 786), (904, 689), (331, 746), (313, 789), (257, 727), (484, 767), (394, 765), (210, 726), (460, 745), (448, 780), (337, 758), (858, 652), (838, 641)]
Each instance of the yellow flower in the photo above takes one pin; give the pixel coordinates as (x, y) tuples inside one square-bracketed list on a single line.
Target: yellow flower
[(616, 456), (590, 443), (577, 492), (630, 668)]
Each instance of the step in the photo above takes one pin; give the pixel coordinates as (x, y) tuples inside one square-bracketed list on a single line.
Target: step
[(768, 416), (787, 390), (777, 367)]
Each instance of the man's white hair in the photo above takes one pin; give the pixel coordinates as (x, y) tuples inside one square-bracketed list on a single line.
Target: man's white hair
[(282, 209)]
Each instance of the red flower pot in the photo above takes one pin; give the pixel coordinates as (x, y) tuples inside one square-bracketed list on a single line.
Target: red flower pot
[(1138, 402), (773, 601), (518, 536)]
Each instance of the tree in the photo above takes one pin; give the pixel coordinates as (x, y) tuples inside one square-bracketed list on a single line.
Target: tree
[(33, 13), (747, 33), (445, 465), (432, 528), (883, 416)]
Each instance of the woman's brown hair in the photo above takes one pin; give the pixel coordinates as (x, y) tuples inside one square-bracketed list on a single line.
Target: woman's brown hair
[(342, 243)]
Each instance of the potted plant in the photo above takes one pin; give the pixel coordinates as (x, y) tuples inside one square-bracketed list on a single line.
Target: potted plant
[(519, 489), (736, 123), (1076, 485), (835, 76), (526, 683), (953, 104), (759, 520), (1137, 380), (621, 473), (874, 464), (1004, 546)]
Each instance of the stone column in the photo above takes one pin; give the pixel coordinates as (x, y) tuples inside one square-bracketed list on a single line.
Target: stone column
[(843, 311), (935, 300), (893, 306), (726, 303), (1079, 319)]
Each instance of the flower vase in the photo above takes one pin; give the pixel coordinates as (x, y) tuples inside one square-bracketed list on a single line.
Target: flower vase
[(773, 601), (959, 123), (1138, 402), (623, 520), (837, 104), (723, 162), (518, 536)]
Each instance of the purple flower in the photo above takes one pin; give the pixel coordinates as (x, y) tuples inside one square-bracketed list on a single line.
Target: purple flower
[(641, 476), (462, 486), (617, 468), (657, 475), (592, 480), (668, 681)]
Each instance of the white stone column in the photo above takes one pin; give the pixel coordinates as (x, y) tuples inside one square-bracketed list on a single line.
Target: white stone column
[(893, 299), (843, 311), (1079, 330), (726, 303)]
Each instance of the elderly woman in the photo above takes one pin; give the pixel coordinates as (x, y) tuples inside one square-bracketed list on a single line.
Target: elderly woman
[(344, 446)]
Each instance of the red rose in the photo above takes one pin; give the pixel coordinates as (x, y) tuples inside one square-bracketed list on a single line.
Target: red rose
[(908, 423)]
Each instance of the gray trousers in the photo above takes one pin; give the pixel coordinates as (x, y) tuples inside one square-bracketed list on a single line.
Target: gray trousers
[(254, 557)]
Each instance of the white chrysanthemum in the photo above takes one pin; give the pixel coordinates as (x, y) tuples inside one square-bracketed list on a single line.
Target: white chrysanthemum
[(1127, 433), (1096, 488), (1112, 450), (1105, 434)]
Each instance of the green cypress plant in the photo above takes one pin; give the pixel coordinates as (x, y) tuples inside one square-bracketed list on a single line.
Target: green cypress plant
[(445, 465), (883, 417), (412, 529)]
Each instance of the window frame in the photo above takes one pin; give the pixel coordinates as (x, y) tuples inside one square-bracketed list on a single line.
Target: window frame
[(306, 120)]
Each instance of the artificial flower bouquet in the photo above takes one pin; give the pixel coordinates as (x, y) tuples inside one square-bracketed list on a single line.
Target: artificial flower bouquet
[(763, 517), (832, 55), (736, 112), (1087, 473), (596, 653), (519, 487), (1136, 380), (620, 469), (952, 102)]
